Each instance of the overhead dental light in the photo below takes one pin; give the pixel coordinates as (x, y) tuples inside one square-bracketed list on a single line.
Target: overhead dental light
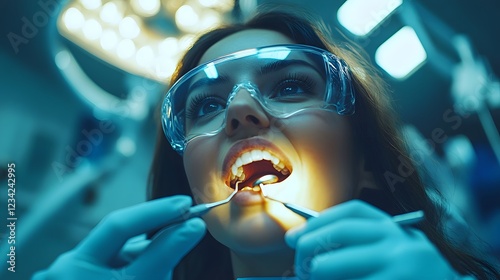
[(133, 39), (361, 17), (126, 35), (401, 54)]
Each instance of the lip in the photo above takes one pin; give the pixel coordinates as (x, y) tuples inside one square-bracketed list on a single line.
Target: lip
[(246, 145), (247, 198)]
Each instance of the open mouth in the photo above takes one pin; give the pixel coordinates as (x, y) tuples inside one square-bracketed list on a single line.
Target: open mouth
[(253, 164)]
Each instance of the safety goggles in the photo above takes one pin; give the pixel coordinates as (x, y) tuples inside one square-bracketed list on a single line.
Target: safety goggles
[(284, 79)]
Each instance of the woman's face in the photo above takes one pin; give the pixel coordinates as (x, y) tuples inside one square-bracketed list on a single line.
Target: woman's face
[(312, 153)]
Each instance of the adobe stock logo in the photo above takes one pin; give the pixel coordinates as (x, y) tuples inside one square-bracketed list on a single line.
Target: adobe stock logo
[(31, 27), (424, 148), (83, 148)]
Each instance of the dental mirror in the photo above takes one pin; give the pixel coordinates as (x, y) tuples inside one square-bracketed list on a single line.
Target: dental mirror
[(265, 180)]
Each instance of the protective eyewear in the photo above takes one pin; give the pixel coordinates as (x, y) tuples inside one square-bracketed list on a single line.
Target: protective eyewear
[(284, 79)]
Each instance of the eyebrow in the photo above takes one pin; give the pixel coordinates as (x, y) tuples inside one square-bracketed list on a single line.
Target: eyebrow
[(207, 82), (265, 69), (281, 64)]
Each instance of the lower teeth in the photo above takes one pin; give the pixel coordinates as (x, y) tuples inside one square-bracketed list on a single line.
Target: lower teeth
[(254, 189)]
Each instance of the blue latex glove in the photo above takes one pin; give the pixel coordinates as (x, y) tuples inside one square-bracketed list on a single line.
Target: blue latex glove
[(101, 255), (355, 240)]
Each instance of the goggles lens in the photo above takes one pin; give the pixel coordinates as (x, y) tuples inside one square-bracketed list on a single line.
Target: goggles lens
[(284, 79)]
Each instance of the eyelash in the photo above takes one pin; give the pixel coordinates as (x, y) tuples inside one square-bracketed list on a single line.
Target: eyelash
[(194, 105), (304, 80)]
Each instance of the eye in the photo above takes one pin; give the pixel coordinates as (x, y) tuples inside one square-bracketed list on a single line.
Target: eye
[(289, 88), (209, 106), (204, 105), (293, 87)]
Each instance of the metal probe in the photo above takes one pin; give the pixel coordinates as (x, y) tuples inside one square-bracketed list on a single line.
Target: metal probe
[(201, 209), (403, 219)]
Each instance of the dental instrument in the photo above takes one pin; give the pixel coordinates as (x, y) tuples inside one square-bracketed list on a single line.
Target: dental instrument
[(403, 219), (201, 209)]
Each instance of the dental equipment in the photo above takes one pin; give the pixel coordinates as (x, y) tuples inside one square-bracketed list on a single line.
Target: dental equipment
[(403, 219), (201, 209)]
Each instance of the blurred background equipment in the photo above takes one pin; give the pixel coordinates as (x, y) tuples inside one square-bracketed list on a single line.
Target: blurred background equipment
[(81, 82)]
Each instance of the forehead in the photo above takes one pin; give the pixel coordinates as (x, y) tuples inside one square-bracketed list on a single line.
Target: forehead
[(243, 40)]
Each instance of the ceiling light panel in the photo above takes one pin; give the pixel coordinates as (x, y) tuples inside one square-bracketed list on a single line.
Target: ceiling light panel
[(361, 17), (401, 54)]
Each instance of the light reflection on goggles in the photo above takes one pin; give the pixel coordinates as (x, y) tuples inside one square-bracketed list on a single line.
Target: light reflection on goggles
[(285, 79)]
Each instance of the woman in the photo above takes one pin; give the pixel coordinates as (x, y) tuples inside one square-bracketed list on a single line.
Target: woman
[(282, 105)]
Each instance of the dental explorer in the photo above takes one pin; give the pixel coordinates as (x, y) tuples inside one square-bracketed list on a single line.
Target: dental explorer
[(201, 209), (403, 219)]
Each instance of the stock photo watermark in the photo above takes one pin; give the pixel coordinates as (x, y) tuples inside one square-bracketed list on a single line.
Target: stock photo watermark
[(30, 26), (438, 135), (305, 266), (122, 275), (91, 139), (84, 147), (11, 217)]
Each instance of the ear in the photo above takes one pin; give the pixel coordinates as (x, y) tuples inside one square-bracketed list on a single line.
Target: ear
[(365, 178)]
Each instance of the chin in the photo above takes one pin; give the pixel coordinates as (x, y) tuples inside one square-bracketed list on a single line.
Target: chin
[(252, 232)]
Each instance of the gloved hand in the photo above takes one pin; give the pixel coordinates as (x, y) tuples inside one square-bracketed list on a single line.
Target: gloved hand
[(99, 256), (355, 240)]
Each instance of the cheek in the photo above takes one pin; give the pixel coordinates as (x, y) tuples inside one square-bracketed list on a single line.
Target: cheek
[(325, 146), (199, 158)]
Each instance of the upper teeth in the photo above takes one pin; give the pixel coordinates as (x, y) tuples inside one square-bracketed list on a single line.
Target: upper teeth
[(255, 155)]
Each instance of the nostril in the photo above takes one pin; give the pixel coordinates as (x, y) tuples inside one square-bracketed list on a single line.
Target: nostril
[(234, 123), (253, 119)]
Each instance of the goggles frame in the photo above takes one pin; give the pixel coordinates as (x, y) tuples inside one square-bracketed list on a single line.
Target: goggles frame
[(339, 95)]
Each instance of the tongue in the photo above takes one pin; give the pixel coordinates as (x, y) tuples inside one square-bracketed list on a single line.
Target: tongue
[(257, 169)]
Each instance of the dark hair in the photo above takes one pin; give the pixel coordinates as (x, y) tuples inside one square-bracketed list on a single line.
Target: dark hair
[(375, 130)]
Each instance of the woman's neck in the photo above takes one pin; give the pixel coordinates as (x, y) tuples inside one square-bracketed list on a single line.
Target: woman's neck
[(278, 264)]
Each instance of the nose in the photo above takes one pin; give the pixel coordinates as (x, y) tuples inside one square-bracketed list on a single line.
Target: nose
[(245, 115)]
